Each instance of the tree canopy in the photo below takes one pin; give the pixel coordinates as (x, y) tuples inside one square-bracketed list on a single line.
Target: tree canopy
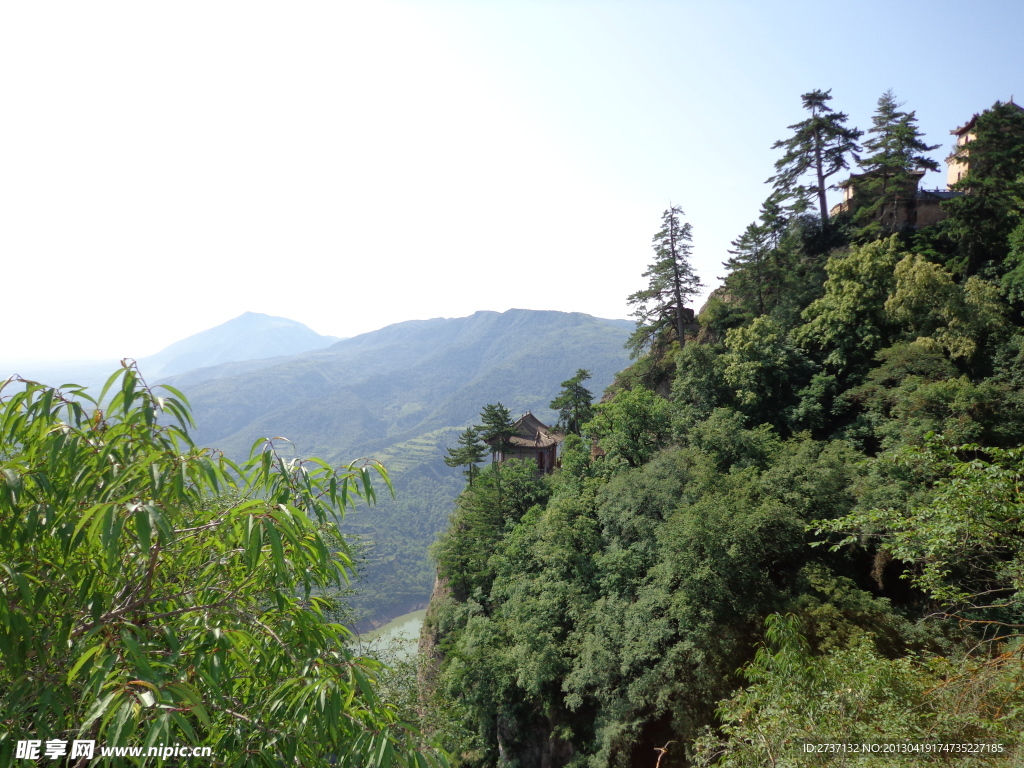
[(469, 452), (802, 527), (152, 592), (981, 220), (671, 283), (820, 147), (497, 427), (894, 152), (575, 403)]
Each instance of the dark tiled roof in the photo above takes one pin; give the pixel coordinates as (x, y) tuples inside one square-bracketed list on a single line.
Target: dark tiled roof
[(531, 432)]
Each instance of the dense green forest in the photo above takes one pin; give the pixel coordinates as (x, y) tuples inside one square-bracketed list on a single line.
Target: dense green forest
[(797, 520)]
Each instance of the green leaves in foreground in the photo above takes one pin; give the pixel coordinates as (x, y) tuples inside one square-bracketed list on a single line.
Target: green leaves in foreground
[(152, 592)]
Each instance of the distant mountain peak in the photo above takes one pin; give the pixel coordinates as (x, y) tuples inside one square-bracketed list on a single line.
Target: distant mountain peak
[(249, 336)]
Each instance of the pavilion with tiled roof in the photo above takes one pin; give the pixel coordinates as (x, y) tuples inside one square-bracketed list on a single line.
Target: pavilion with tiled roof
[(533, 441)]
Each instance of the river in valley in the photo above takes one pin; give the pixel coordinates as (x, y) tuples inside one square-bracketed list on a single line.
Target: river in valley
[(399, 636)]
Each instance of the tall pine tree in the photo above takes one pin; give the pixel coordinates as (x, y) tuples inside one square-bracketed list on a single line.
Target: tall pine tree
[(497, 429), (896, 155), (574, 403), (749, 278), (469, 452), (819, 148), (756, 269), (671, 283)]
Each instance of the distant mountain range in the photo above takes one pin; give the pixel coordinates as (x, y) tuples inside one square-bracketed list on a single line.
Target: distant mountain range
[(362, 395), (251, 336)]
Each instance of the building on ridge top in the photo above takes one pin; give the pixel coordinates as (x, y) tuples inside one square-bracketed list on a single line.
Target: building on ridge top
[(916, 208), (958, 163), (533, 441)]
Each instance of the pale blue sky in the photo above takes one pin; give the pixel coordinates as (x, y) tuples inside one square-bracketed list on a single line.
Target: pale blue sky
[(164, 168)]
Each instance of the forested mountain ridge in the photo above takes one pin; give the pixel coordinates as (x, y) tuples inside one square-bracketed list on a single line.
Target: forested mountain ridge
[(401, 395), (380, 388), (813, 533)]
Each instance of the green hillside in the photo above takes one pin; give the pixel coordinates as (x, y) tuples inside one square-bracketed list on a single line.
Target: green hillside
[(795, 523), (401, 395), (363, 394)]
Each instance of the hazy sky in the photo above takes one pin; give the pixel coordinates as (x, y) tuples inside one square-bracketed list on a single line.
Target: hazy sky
[(165, 167)]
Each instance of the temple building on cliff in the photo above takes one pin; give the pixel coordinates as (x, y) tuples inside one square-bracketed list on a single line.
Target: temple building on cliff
[(533, 441)]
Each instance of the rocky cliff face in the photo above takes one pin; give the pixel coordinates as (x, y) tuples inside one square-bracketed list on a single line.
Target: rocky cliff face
[(430, 654)]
